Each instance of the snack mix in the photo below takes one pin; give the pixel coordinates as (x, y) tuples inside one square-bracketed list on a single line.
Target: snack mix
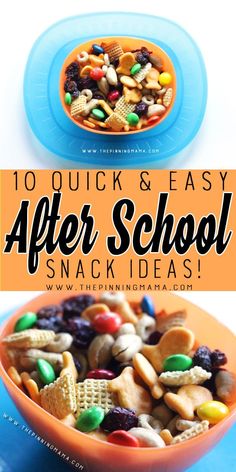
[(109, 89), (103, 367)]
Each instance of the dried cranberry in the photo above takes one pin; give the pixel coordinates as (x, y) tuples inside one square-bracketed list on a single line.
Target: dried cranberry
[(55, 323), (74, 306), (77, 364), (143, 60), (118, 87), (141, 109), (98, 95), (210, 383), (154, 338), (119, 418), (202, 358), (86, 83), (49, 311), (145, 52), (71, 87), (218, 358), (81, 331), (114, 366), (115, 62), (72, 71), (117, 367), (121, 367)]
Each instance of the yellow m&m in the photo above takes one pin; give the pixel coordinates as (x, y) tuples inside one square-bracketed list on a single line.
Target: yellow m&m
[(212, 411), (165, 78)]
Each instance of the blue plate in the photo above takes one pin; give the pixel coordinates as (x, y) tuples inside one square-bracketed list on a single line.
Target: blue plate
[(21, 452), (62, 137)]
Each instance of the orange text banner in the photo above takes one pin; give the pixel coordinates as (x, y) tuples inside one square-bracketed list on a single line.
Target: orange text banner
[(121, 229)]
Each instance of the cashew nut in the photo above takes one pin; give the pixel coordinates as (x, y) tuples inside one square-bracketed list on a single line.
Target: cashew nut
[(106, 59), (28, 359), (62, 342), (105, 68), (126, 328), (99, 351), (126, 346), (149, 422), (147, 437), (104, 88)]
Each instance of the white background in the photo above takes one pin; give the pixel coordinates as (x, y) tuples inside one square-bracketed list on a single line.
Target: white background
[(211, 24), (219, 304)]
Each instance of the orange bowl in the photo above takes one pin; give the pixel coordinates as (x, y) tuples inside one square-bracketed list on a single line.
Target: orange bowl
[(96, 455), (128, 44)]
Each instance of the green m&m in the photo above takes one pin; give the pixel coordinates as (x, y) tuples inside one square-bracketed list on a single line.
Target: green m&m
[(132, 119), (26, 321), (98, 114), (135, 69), (68, 98), (177, 362), (90, 419), (45, 371)]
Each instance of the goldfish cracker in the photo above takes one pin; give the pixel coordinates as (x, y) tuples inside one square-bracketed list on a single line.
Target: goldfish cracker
[(149, 376), (187, 400), (175, 341), (130, 394)]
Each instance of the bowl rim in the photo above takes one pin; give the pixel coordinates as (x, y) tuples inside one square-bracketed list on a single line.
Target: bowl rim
[(7, 381), (116, 133)]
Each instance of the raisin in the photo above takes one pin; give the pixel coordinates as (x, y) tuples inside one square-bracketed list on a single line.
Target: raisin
[(77, 364), (74, 306), (210, 383), (86, 83), (143, 60), (145, 52), (81, 331), (71, 87), (98, 95), (72, 71), (115, 62), (154, 338), (119, 418), (141, 109), (49, 311), (55, 323), (118, 87), (218, 358), (202, 358)]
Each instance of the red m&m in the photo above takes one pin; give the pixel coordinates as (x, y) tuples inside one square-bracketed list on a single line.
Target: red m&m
[(107, 322), (113, 95), (100, 374), (122, 438), (96, 73)]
